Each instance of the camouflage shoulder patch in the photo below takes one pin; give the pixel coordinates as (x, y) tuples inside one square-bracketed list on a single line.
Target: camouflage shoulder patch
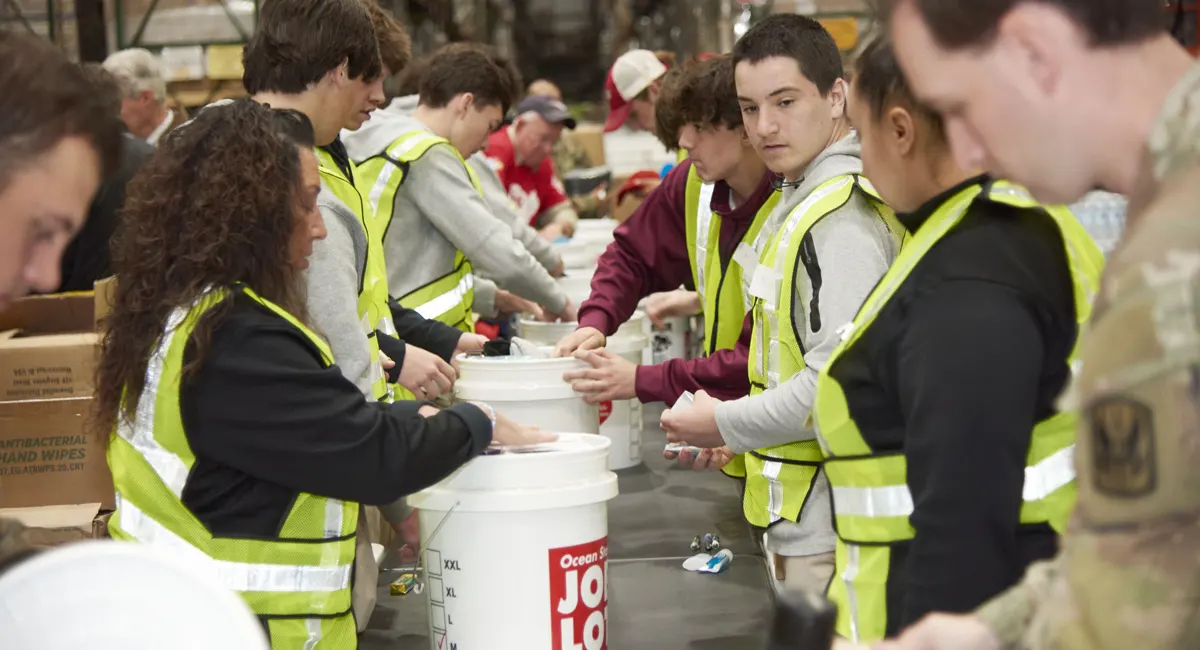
[(1123, 447)]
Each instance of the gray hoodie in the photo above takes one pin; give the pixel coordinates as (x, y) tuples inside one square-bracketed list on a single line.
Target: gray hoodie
[(437, 212), (854, 248), (495, 196)]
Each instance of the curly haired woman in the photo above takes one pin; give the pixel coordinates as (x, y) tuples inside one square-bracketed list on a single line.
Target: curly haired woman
[(234, 438)]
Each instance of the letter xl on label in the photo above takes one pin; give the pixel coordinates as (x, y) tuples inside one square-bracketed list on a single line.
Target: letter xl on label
[(579, 596)]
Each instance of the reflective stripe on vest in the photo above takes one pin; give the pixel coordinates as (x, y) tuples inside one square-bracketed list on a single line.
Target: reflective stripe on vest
[(374, 311), (718, 283), (778, 479), (450, 298), (872, 502), (304, 574)]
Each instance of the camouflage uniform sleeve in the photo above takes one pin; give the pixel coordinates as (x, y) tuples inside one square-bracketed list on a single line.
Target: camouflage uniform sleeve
[(1128, 573)]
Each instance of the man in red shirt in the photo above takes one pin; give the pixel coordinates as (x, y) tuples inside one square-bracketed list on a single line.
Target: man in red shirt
[(720, 196), (520, 154)]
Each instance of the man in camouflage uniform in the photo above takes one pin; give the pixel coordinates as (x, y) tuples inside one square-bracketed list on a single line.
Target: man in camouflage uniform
[(1064, 96), (569, 153)]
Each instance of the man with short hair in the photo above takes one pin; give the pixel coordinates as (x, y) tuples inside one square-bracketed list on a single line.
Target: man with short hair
[(689, 233), (405, 103), (336, 80), (1064, 97), (144, 109), (824, 247), (520, 154), (438, 229)]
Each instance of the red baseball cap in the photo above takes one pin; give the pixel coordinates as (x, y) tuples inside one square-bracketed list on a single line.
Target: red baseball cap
[(630, 74)]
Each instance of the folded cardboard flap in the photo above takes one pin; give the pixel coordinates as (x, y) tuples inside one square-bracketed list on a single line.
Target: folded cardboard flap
[(53, 314), (54, 525)]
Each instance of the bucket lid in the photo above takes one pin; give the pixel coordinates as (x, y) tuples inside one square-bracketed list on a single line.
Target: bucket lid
[(570, 471)]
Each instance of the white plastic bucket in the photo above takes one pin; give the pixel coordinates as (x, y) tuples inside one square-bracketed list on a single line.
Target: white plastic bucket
[(580, 253), (620, 420), (528, 391), (673, 341), (577, 283), (515, 549)]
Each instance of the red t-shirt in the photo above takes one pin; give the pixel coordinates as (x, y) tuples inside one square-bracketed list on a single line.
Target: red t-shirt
[(533, 190)]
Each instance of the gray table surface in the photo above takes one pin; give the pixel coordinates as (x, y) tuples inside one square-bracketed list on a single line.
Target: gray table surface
[(654, 604)]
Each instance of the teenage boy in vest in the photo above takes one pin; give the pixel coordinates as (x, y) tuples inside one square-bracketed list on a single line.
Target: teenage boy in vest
[(687, 232), (438, 229), (825, 246), (334, 75)]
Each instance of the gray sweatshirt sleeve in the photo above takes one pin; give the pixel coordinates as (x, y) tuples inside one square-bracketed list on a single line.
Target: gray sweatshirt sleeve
[(449, 200), (485, 298), (498, 202), (853, 249), (333, 278)]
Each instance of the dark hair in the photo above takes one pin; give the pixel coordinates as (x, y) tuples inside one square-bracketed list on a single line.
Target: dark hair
[(106, 86), (44, 98), (697, 93), (879, 81), (460, 68), (409, 81), (796, 37), (395, 47), (213, 208), (957, 24), (298, 42)]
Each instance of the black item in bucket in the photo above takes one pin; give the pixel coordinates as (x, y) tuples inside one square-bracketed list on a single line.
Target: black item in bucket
[(497, 348)]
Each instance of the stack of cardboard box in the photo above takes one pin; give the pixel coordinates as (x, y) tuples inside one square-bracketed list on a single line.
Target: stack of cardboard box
[(53, 474)]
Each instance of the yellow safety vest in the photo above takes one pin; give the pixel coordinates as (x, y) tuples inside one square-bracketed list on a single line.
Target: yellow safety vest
[(871, 501), (450, 298), (778, 479), (373, 309), (719, 285), (299, 582)]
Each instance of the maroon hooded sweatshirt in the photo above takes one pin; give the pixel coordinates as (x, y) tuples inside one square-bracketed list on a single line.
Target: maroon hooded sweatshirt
[(650, 254)]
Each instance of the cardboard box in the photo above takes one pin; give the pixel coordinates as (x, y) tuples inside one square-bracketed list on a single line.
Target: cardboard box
[(48, 457), (51, 349), (48, 358), (591, 136), (56, 525)]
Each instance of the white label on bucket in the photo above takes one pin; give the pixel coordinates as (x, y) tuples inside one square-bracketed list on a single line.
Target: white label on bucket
[(579, 596)]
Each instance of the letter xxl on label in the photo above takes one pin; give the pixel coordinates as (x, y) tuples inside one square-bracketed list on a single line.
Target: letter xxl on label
[(579, 596)]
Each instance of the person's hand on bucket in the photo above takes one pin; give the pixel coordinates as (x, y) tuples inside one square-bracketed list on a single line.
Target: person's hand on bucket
[(408, 531), (469, 342), (425, 373), (696, 425), (508, 303), (584, 338), (670, 304), (611, 377), (510, 434), (569, 314)]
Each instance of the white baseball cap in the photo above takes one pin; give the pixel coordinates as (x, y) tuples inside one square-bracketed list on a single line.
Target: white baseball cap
[(630, 74)]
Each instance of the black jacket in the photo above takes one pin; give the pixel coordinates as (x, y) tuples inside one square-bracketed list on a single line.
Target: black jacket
[(957, 368), (266, 421), (87, 257)]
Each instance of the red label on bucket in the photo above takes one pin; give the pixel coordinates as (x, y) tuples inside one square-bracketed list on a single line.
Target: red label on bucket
[(605, 411), (579, 596)]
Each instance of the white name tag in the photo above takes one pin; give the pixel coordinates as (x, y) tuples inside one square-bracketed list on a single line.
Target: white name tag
[(765, 283), (746, 258)]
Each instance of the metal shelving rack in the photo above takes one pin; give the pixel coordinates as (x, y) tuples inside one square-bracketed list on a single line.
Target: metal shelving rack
[(192, 92)]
